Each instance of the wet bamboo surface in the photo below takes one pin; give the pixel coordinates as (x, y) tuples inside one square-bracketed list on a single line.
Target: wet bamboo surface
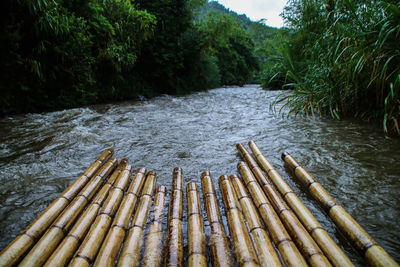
[(174, 249), (374, 254), (219, 245), (153, 253), (335, 255), (101, 220), (243, 247), (197, 251), (279, 235), (50, 240), (14, 252), (87, 251), (266, 253), (64, 252), (305, 243), (130, 255), (108, 253)]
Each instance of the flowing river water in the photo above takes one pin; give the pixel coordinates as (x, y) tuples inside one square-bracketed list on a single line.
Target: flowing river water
[(41, 154)]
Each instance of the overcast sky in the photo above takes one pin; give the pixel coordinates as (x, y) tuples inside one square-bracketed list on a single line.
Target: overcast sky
[(258, 9)]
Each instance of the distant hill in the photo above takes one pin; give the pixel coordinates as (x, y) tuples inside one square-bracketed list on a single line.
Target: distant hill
[(258, 31), (214, 6), (265, 38)]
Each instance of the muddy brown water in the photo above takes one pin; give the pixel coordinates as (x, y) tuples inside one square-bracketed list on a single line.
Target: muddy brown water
[(40, 154)]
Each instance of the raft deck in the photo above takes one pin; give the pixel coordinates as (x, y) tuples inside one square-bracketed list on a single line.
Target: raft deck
[(113, 216)]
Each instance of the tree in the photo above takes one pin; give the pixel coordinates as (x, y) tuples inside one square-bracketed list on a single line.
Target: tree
[(56, 53), (349, 63), (232, 47)]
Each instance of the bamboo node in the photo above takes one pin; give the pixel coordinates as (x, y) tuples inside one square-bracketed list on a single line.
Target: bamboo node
[(84, 258)]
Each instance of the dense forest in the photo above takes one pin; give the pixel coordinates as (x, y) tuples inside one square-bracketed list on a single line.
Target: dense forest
[(340, 58), (60, 54)]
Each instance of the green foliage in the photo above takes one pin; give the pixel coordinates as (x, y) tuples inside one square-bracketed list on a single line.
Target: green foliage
[(231, 45), (217, 8), (43, 55), (348, 58), (118, 55), (58, 54), (67, 53), (169, 59), (264, 39), (392, 108)]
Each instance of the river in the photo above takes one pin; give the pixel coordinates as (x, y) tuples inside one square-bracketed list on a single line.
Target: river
[(40, 154)]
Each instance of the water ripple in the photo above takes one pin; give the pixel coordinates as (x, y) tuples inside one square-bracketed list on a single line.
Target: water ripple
[(40, 154)]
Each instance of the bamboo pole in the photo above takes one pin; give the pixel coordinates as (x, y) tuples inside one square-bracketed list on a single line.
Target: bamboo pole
[(130, 255), (14, 252), (219, 245), (266, 253), (335, 255), (197, 253), (93, 240), (154, 247), (243, 247), (64, 252), (374, 254), (110, 248), (54, 235), (282, 240), (174, 249), (305, 243)]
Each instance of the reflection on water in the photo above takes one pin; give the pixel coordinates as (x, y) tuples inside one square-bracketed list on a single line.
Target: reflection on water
[(40, 154)]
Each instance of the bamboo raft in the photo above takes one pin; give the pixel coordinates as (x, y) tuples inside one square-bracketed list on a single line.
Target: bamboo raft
[(108, 218)]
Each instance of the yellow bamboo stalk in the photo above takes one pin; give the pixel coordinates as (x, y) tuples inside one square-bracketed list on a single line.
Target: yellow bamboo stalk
[(110, 248), (130, 255), (196, 237), (174, 248), (306, 244), (335, 255), (219, 245), (266, 253), (153, 252), (282, 240), (64, 252), (14, 252), (374, 254), (93, 240), (243, 247), (54, 235)]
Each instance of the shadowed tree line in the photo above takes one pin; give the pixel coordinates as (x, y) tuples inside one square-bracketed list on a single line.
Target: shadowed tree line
[(67, 53)]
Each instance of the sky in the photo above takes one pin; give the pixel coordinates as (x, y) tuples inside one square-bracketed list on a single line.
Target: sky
[(258, 9)]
